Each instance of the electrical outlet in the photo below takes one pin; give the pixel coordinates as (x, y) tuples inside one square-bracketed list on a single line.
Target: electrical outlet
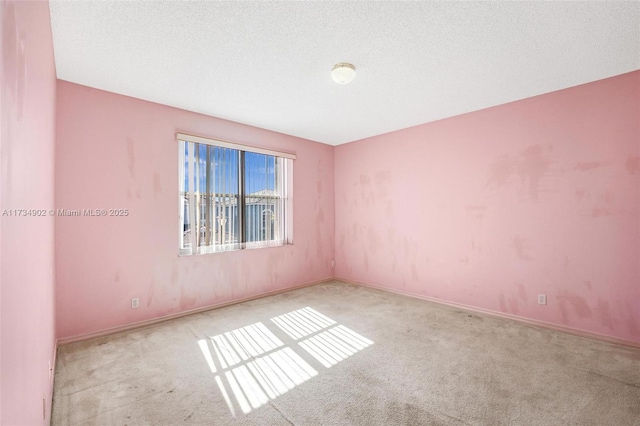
[(135, 302), (333, 263), (542, 299)]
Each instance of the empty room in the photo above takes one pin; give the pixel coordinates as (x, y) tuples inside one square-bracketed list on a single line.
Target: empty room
[(319, 213)]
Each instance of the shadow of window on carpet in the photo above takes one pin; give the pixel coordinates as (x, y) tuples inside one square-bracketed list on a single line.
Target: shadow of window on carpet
[(256, 366)]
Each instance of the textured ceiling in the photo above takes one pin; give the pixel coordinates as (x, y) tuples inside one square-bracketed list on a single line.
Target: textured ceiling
[(268, 64)]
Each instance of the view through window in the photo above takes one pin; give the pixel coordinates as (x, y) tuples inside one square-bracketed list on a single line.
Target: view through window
[(231, 198)]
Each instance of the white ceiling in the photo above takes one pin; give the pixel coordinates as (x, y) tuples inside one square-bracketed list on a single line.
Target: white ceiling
[(268, 64)]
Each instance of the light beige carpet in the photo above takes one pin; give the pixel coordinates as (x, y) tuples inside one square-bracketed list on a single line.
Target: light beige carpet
[(338, 354)]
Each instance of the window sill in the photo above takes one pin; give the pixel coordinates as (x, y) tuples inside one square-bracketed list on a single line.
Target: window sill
[(234, 248)]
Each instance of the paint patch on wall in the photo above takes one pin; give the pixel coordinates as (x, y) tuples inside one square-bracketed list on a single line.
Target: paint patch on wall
[(131, 158), (14, 47), (533, 167), (476, 212), (500, 172), (584, 166), (414, 272), (605, 314), (530, 166), (521, 247), (604, 205), (157, 186), (150, 293), (633, 164), (186, 301), (503, 303), (577, 304), (632, 322)]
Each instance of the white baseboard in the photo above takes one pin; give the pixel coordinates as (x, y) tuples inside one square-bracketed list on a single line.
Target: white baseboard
[(138, 324), (529, 321)]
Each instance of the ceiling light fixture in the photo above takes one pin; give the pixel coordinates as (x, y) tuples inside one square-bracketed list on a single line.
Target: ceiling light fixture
[(343, 73)]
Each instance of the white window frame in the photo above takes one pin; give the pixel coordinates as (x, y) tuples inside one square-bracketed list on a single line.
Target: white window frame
[(286, 178)]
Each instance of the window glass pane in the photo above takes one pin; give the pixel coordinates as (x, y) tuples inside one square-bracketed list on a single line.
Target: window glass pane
[(261, 197), (220, 209), (185, 237), (226, 194)]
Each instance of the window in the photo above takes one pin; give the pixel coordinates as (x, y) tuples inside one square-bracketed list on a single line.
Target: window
[(232, 196)]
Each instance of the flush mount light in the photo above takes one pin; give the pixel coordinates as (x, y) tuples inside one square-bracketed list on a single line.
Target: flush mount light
[(343, 73)]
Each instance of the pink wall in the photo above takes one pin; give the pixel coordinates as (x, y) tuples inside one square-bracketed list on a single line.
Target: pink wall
[(28, 88), (118, 152), (490, 208)]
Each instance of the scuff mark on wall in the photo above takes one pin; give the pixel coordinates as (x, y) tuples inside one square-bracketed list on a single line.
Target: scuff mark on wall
[(476, 212), (603, 206), (633, 164), (584, 166), (534, 166), (414, 272), (520, 245), (388, 211), (150, 293), (131, 158), (174, 274), (382, 181), (513, 305), (604, 312), (522, 292), (382, 177), (601, 212), (186, 301), (580, 306), (157, 186), (632, 321), (508, 304), (14, 55), (319, 244), (375, 242), (502, 303), (531, 166), (500, 172)]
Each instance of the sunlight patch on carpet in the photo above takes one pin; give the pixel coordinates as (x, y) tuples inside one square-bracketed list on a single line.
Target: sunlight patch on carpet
[(253, 366)]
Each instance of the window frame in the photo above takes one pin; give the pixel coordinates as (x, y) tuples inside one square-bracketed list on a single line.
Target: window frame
[(286, 177)]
